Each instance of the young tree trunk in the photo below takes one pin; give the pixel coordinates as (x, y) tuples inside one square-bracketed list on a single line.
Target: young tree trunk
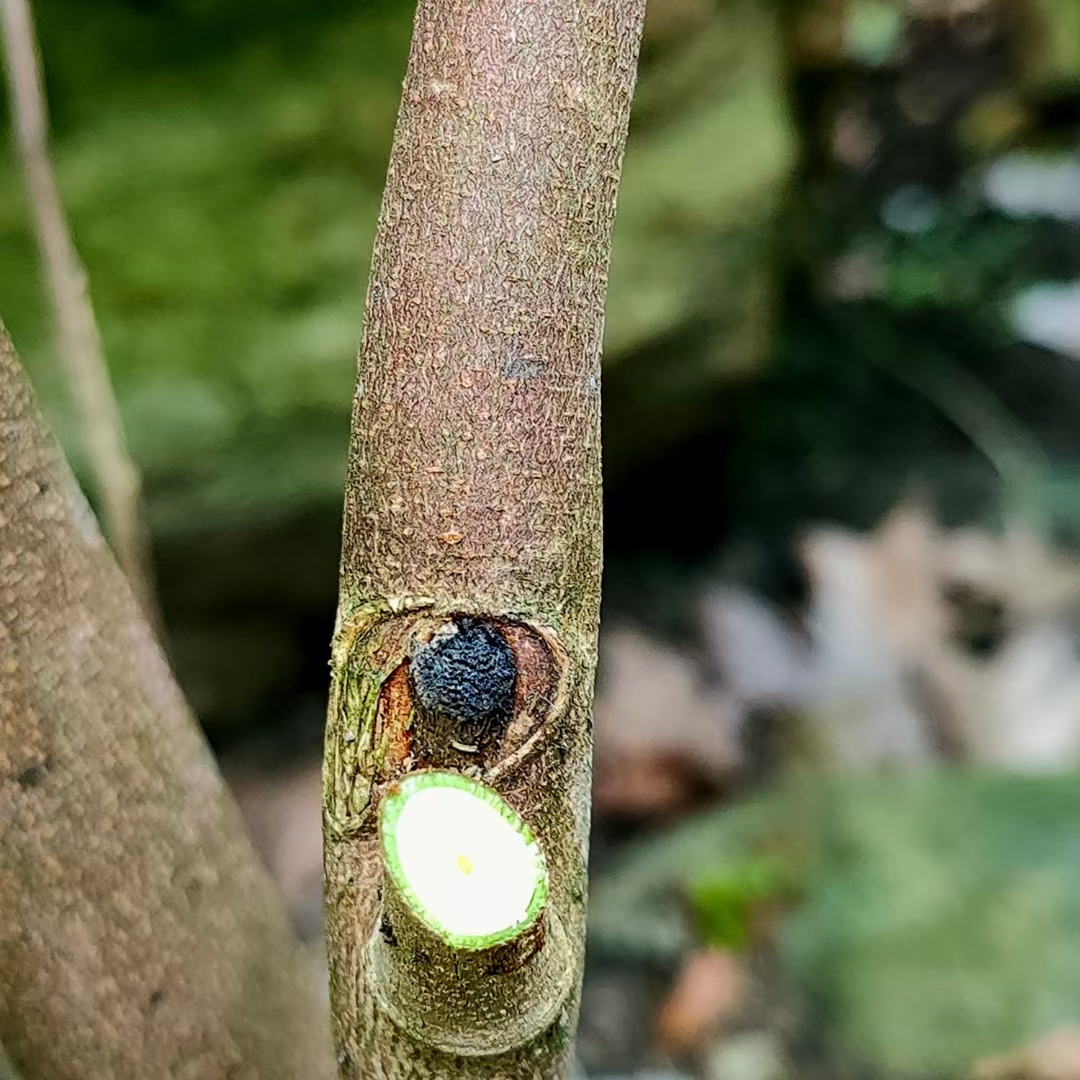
[(470, 576), (139, 935)]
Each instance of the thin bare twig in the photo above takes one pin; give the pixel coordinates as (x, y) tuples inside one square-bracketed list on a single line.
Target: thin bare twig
[(114, 473)]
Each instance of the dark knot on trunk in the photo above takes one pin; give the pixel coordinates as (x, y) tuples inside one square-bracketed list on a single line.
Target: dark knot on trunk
[(466, 672)]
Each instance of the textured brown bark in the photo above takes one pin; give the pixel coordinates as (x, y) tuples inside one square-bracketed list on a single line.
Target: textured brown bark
[(140, 938), (474, 483)]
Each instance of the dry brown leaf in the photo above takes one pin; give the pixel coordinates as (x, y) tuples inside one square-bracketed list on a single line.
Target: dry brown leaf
[(1016, 702), (763, 662), (951, 641), (661, 734), (710, 990), (650, 784), (871, 610), (283, 814), (1055, 1056)]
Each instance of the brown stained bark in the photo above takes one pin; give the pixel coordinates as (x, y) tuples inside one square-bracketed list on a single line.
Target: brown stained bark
[(474, 474), (140, 938)]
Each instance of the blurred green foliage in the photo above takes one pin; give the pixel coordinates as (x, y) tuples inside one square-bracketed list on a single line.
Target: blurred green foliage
[(222, 167), (726, 899), (223, 195), (937, 916), (1059, 62), (943, 919)]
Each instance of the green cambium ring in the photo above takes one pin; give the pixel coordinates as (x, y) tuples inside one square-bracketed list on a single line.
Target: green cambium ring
[(463, 859), (465, 905)]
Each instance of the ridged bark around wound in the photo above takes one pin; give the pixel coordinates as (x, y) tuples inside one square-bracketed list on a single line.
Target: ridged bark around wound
[(542, 769)]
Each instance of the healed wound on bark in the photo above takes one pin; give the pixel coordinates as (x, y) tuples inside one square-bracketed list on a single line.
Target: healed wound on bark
[(470, 574), (417, 691)]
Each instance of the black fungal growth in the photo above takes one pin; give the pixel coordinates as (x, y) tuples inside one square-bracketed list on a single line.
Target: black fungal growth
[(466, 672)]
